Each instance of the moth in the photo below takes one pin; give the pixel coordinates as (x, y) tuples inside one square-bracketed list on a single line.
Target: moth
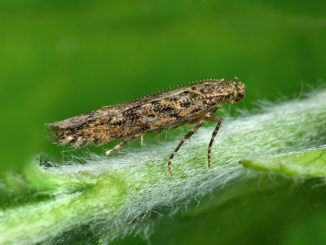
[(189, 103)]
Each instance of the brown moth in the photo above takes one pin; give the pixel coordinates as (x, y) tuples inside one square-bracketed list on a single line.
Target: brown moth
[(190, 103)]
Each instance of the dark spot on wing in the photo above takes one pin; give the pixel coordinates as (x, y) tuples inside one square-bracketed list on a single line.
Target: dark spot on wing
[(165, 108), (117, 123), (155, 102), (185, 104), (145, 127)]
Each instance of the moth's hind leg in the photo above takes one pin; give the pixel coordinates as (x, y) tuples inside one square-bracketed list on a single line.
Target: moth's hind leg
[(141, 140), (121, 144), (213, 118), (187, 136)]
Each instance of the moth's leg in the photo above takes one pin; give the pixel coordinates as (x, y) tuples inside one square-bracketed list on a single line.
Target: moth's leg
[(122, 143), (141, 140), (158, 132), (213, 118), (187, 136)]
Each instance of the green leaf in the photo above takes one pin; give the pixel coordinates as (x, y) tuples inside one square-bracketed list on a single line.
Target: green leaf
[(307, 163)]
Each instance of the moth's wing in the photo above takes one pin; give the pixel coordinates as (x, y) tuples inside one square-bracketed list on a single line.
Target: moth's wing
[(79, 130)]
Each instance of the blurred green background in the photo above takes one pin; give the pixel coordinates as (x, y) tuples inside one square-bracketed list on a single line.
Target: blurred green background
[(62, 58)]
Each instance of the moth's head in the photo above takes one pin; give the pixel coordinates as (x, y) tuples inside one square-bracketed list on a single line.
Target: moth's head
[(238, 93)]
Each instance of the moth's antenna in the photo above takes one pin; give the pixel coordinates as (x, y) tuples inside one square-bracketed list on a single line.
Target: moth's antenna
[(236, 78)]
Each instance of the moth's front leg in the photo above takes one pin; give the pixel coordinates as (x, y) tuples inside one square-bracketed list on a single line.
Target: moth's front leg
[(187, 136)]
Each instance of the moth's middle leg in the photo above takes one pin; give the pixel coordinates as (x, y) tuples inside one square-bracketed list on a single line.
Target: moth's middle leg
[(209, 116), (187, 136), (212, 117)]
